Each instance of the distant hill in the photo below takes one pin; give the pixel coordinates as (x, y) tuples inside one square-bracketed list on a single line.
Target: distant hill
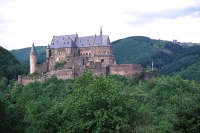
[(22, 55), (9, 66), (169, 58)]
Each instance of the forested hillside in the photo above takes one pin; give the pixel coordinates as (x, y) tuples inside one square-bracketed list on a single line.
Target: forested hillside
[(9, 66), (169, 58), (22, 55), (92, 103)]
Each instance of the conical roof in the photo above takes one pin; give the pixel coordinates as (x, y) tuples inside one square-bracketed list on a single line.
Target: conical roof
[(33, 49), (48, 47)]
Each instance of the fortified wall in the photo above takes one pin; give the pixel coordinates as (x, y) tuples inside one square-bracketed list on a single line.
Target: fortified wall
[(60, 74), (126, 70)]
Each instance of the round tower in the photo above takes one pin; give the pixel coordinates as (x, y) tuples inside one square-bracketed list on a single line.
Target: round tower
[(33, 59), (48, 51)]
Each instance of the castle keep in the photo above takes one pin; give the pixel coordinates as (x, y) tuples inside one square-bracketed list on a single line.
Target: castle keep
[(76, 53)]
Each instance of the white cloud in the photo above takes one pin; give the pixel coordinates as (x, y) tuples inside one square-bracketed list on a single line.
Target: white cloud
[(22, 21)]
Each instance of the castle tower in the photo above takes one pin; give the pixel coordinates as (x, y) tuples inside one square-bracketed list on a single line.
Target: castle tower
[(48, 51), (33, 59)]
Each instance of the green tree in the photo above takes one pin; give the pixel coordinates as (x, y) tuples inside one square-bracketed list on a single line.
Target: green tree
[(98, 105)]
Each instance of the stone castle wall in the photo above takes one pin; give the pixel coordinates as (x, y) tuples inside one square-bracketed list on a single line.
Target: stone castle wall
[(126, 70), (60, 74)]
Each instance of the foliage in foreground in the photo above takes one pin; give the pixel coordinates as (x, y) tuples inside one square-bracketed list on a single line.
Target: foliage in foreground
[(101, 104)]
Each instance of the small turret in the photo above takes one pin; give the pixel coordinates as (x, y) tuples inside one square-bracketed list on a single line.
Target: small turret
[(101, 35), (101, 31), (33, 59), (48, 51)]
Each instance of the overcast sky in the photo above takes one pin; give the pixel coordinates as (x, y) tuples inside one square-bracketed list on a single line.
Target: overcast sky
[(25, 21)]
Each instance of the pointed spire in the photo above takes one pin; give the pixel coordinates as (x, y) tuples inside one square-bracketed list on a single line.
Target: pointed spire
[(48, 47), (101, 31), (33, 49)]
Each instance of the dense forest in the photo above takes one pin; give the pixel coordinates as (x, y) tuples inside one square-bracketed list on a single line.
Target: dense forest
[(100, 104), (9, 66), (169, 58)]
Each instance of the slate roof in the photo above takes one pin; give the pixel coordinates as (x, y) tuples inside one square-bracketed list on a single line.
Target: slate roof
[(102, 41), (87, 41), (63, 41), (33, 49)]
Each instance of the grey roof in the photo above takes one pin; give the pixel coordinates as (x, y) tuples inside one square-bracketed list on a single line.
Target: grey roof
[(103, 40), (87, 41), (33, 49), (63, 41)]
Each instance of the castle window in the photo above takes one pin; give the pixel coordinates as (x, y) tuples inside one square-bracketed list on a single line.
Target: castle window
[(67, 42), (89, 43), (82, 44), (102, 60), (57, 41), (64, 42), (53, 43), (69, 38), (88, 40), (80, 41), (63, 38)]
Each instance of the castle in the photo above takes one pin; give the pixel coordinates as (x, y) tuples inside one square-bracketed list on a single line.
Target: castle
[(74, 55)]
